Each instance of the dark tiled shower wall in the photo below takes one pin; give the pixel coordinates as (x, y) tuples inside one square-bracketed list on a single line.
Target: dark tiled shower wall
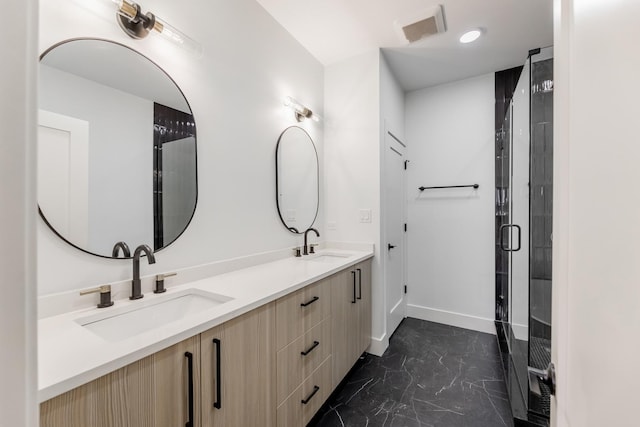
[(168, 125)]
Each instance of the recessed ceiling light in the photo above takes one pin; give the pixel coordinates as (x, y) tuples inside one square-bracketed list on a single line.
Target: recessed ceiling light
[(470, 36)]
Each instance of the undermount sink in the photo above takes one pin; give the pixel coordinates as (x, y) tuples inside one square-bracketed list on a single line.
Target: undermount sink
[(135, 319), (326, 257)]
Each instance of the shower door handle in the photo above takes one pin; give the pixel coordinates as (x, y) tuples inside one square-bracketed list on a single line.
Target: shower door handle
[(544, 376), (501, 233)]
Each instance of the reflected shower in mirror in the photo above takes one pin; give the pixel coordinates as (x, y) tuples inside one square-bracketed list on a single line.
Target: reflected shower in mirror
[(116, 149), (296, 179)]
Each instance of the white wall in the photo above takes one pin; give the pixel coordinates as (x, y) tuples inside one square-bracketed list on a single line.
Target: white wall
[(352, 168), (120, 156), (450, 244), (18, 327), (596, 268), (392, 117), (392, 102), (236, 92)]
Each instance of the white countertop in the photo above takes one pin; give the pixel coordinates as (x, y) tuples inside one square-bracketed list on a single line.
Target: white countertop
[(70, 355)]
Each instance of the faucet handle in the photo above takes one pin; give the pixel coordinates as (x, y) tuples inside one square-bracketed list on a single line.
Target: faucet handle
[(297, 251), (105, 295), (160, 282), (311, 248)]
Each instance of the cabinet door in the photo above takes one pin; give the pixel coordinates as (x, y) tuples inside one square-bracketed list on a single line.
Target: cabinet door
[(151, 392), (364, 304), (173, 405), (238, 388), (345, 323)]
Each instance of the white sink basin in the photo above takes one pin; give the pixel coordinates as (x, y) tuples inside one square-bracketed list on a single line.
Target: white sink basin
[(116, 325), (327, 257)]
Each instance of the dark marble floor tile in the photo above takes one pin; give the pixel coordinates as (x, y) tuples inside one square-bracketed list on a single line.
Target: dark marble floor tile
[(431, 375)]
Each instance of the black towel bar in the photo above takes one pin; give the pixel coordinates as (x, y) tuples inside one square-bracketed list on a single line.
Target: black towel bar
[(449, 186)]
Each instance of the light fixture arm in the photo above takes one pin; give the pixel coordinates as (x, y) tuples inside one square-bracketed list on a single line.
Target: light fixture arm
[(133, 22)]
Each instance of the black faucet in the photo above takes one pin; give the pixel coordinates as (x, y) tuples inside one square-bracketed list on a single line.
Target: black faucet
[(305, 251), (125, 250), (135, 283)]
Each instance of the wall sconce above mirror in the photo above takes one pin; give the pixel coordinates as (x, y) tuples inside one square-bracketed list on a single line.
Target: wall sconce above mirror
[(300, 111), (297, 179), (116, 149), (138, 25)]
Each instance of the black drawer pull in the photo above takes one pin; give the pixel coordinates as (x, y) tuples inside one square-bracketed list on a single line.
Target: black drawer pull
[(359, 282), (315, 344), (218, 403), (314, 299), (189, 357), (315, 390), (353, 273)]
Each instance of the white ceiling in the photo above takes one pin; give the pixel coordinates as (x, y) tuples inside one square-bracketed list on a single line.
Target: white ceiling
[(333, 30)]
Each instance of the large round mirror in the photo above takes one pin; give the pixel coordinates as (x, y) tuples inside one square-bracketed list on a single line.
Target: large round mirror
[(296, 179), (116, 149)]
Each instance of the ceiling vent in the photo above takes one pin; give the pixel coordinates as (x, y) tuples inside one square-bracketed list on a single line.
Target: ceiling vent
[(418, 27)]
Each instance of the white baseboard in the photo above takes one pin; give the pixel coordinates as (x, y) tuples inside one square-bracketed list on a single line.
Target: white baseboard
[(378, 345), (460, 320), (521, 332)]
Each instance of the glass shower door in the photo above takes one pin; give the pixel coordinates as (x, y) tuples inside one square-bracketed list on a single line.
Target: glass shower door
[(516, 233), (541, 213), (525, 239), (519, 207)]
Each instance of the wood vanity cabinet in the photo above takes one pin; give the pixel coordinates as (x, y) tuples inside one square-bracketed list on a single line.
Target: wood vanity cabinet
[(303, 360), (152, 392), (273, 366), (238, 362), (351, 317)]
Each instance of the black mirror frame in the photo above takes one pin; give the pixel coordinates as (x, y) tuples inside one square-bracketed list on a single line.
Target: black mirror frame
[(195, 206), (293, 229)]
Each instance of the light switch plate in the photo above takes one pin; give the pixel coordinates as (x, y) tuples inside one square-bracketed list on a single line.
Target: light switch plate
[(365, 215)]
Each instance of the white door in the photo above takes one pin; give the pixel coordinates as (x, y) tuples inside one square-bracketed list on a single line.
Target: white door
[(394, 247), (63, 174), (596, 231)]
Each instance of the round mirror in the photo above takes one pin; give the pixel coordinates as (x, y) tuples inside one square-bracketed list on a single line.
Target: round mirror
[(116, 149), (296, 179)]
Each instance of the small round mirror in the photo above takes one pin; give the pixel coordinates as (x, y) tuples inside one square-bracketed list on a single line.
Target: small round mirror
[(296, 179)]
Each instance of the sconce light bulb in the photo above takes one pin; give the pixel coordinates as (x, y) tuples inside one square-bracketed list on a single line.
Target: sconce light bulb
[(127, 9), (300, 111), (176, 36)]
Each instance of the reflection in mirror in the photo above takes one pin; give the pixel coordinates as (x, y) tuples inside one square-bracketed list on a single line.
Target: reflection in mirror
[(116, 149), (296, 179)]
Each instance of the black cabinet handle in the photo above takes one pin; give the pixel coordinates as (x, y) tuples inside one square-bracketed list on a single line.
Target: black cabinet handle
[(315, 390), (390, 246), (189, 357), (353, 274), (314, 299), (218, 402), (315, 344), (359, 282)]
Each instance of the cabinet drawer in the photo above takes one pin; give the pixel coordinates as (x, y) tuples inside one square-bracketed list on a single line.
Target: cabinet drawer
[(300, 311), (293, 366), (307, 399)]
